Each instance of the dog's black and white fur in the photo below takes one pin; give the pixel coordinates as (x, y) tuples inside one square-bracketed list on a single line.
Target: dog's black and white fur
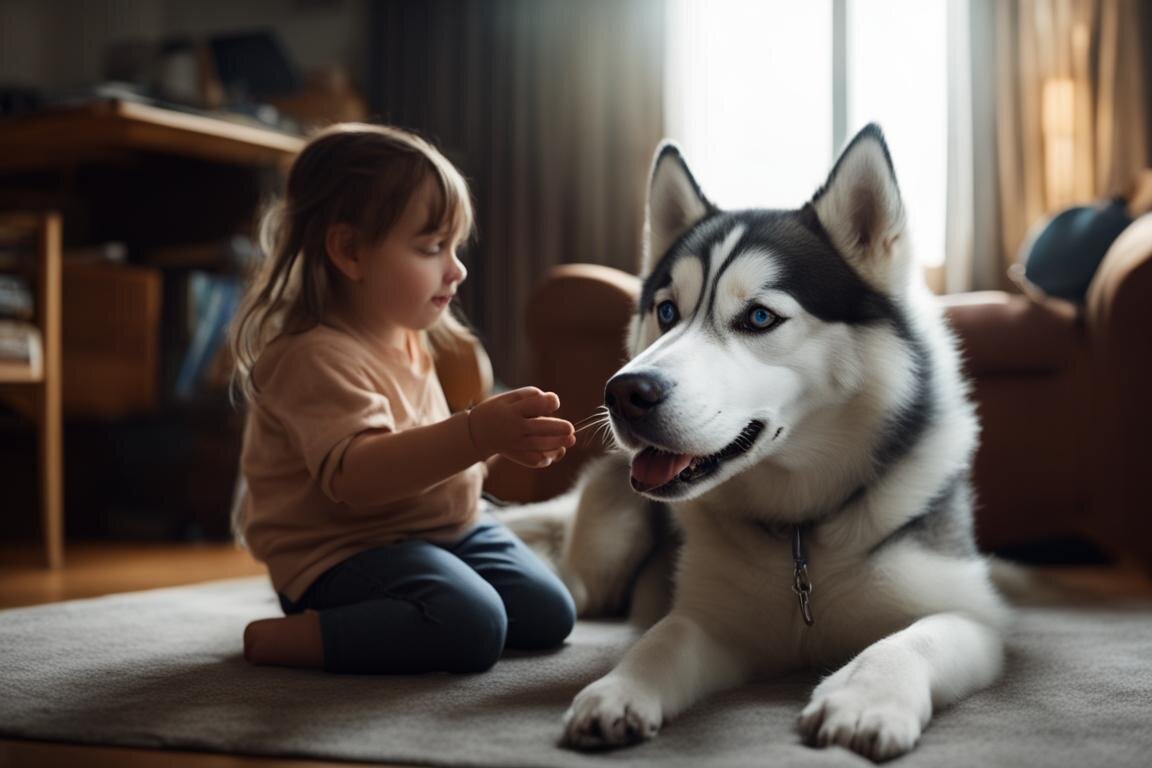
[(792, 385)]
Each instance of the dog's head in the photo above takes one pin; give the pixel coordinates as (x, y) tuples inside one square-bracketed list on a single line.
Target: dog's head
[(755, 329)]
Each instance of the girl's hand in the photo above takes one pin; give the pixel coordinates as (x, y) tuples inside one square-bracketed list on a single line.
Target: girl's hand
[(535, 459), (516, 425)]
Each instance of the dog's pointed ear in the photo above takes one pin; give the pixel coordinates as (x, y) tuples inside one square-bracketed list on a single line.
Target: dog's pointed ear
[(675, 204), (860, 208)]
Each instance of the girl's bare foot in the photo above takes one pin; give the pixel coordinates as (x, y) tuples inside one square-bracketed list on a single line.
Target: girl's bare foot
[(293, 641)]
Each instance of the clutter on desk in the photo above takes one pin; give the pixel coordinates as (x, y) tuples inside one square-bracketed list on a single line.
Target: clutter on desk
[(246, 77)]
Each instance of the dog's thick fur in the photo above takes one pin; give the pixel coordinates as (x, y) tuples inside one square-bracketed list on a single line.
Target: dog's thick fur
[(789, 372)]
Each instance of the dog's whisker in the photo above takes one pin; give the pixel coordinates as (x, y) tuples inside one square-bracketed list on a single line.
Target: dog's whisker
[(596, 419), (592, 421), (601, 433), (599, 413), (603, 430)]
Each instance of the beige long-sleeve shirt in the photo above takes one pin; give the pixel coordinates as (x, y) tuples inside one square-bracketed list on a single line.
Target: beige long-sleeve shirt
[(317, 390)]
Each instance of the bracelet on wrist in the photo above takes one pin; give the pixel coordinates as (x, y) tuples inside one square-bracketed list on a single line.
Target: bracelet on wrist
[(471, 436)]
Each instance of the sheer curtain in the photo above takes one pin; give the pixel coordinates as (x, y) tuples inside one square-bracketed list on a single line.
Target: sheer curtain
[(972, 227)]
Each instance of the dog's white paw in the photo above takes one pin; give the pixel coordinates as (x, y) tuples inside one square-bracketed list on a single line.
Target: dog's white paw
[(871, 720), (611, 712)]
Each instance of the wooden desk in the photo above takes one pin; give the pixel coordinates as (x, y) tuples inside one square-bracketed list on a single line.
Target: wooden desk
[(139, 174), (101, 130), (151, 178)]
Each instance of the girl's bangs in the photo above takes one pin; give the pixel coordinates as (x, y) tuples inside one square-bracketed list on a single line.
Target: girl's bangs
[(451, 207)]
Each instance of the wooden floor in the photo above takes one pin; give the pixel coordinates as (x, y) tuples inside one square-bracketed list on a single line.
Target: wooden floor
[(99, 569), (91, 570)]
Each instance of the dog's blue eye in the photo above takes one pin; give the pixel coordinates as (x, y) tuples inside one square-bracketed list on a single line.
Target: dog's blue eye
[(761, 319), (667, 313)]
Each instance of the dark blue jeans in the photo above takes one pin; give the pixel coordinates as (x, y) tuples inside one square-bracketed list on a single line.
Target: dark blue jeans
[(415, 606)]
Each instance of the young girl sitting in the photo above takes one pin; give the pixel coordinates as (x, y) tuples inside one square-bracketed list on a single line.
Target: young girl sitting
[(363, 490)]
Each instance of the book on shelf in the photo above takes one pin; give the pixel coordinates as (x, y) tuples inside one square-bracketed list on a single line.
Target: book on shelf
[(16, 300), (14, 256), (112, 252), (17, 261), (213, 300), (21, 354)]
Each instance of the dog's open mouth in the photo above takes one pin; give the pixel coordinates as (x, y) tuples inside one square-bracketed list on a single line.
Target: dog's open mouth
[(653, 469)]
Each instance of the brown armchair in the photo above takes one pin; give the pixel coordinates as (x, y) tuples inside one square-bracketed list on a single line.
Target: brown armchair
[(577, 319), (1063, 396)]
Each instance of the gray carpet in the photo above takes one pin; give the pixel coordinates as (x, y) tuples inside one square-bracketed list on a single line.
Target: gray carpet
[(163, 669)]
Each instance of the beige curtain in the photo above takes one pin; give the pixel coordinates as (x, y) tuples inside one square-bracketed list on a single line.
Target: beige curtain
[(1070, 107), (552, 108), (972, 237)]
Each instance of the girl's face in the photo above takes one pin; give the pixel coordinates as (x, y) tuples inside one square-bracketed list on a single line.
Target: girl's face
[(409, 278)]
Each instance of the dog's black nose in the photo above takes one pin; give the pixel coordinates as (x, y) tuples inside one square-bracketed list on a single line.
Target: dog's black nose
[(631, 396)]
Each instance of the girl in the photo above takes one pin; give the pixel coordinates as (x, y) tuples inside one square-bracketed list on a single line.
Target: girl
[(363, 491)]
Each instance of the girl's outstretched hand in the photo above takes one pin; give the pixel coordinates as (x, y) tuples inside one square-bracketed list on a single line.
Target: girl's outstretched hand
[(516, 425)]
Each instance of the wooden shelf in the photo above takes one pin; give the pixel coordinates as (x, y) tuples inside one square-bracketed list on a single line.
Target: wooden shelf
[(41, 401), (59, 137), (71, 158), (13, 372)]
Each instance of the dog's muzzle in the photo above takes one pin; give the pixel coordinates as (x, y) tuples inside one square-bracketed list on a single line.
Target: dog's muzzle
[(633, 400), (631, 397)]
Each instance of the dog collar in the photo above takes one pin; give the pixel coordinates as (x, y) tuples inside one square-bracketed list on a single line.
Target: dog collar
[(801, 584)]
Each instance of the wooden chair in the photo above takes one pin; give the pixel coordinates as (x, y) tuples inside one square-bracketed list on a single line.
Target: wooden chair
[(34, 390)]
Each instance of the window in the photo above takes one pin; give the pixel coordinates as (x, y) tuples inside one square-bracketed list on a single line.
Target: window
[(748, 97), (751, 97)]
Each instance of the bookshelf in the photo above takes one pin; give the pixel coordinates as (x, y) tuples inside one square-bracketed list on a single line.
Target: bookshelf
[(161, 183), (33, 389)]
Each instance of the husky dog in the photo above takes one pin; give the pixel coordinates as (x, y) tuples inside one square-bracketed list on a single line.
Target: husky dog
[(794, 399)]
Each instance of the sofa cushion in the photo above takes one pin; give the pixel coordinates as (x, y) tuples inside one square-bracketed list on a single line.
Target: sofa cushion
[(1001, 333), (1064, 254)]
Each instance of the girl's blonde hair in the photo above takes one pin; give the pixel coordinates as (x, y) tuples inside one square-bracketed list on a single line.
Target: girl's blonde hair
[(357, 174)]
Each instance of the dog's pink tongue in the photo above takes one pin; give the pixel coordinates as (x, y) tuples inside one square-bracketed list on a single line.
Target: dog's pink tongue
[(652, 468)]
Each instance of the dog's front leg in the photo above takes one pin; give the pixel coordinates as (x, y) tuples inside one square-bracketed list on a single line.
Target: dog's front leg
[(611, 534), (878, 703), (673, 665)]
